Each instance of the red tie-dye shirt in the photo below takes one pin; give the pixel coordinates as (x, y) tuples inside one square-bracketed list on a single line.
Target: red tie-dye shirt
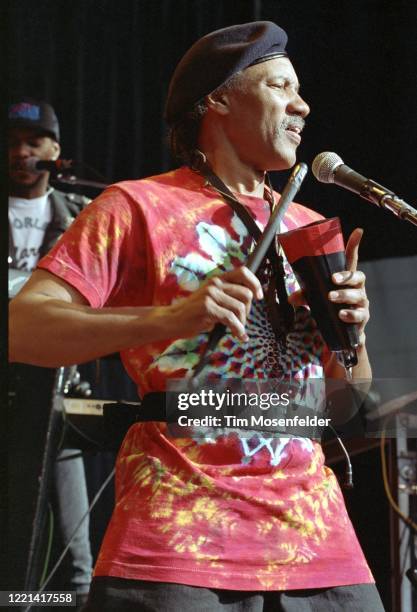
[(255, 514)]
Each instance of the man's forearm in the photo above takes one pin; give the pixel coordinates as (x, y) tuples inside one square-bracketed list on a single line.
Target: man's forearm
[(51, 325), (51, 333)]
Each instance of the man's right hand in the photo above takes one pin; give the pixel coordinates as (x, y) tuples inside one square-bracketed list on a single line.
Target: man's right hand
[(226, 299)]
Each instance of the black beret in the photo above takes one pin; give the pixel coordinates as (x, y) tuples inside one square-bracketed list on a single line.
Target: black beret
[(216, 57)]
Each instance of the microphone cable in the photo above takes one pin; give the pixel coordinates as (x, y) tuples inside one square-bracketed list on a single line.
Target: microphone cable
[(348, 483)]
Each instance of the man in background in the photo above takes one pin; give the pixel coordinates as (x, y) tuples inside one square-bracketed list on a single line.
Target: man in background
[(38, 216)]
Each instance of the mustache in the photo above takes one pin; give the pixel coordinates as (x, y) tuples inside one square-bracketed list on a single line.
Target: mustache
[(295, 121)]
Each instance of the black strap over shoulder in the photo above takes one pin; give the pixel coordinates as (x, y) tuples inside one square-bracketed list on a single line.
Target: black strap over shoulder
[(282, 317), (239, 208)]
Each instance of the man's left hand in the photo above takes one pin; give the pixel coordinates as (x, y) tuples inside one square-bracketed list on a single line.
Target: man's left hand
[(352, 288)]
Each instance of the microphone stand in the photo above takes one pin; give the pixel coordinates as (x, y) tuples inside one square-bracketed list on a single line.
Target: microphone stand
[(73, 180), (376, 194), (400, 208)]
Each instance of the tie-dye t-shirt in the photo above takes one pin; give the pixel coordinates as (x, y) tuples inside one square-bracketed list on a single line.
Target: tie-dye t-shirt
[(259, 513)]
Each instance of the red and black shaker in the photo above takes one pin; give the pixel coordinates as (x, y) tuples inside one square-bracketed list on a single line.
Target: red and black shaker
[(315, 252)]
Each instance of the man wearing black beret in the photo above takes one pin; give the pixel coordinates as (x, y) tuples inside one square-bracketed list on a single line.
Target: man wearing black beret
[(224, 521)]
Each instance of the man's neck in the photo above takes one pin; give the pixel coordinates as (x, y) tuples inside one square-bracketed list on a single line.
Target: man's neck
[(237, 175), (28, 192)]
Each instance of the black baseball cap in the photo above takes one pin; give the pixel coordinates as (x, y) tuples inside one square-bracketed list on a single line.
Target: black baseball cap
[(213, 59), (35, 114)]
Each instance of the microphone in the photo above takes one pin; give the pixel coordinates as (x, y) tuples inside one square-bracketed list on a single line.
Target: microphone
[(329, 168), (34, 164)]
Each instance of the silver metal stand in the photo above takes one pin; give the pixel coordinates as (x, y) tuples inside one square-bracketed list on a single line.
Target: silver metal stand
[(407, 490)]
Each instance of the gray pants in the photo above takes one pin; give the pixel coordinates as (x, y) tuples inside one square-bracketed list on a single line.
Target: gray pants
[(109, 594), (72, 502)]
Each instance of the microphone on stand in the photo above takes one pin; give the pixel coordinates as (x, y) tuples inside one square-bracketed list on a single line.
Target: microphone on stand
[(34, 164), (328, 167), (61, 169)]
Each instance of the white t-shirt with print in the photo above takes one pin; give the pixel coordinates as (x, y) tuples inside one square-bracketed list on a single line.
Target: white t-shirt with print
[(28, 221)]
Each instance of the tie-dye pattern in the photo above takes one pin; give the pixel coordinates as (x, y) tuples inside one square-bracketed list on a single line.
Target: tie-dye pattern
[(253, 513)]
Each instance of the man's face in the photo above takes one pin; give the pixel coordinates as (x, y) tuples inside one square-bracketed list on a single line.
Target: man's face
[(25, 143), (266, 115)]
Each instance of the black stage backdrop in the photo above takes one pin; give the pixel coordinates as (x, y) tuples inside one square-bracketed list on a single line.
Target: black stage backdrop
[(105, 66)]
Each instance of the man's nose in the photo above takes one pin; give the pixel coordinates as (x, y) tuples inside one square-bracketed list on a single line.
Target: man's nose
[(300, 106), (21, 149)]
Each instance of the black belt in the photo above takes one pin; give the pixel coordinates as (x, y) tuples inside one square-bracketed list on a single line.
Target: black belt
[(151, 408)]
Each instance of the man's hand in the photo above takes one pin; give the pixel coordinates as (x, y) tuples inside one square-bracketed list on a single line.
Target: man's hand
[(222, 299), (353, 292)]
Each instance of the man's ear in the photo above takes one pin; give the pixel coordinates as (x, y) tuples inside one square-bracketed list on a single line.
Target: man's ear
[(55, 150), (218, 103)]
